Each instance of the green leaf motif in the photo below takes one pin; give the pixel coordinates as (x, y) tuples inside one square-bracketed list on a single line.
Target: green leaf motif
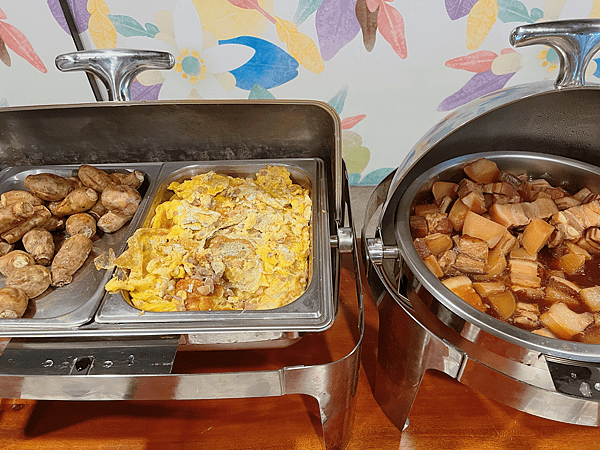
[(260, 93), (537, 14), (128, 26), (305, 9), (513, 11), (338, 100), (152, 29)]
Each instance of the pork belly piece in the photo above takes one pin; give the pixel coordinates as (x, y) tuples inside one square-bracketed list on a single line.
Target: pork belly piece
[(564, 285), (438, 223), (441, 189), (463, 288), (482, 228), (532, 294), (510, 178), (556, 295), (445, 204), (471, 194), (541, 188), (584, 195), (524, 273), (588, 245), (418, 226), (574, 248), (591, 297), (466, 264), (542, 208), (526, 315), (504, 199), (446, 262), (473, 247), (426, 208), (421, 248), (509, 215), (500, 188), (577, 219), (482, 171), (487, 288), (521, 253), (564, 322), (507, 243), (566, 203)]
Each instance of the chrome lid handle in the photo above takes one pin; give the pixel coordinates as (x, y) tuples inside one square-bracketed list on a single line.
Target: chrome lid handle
[(575, 41), (117, 68)]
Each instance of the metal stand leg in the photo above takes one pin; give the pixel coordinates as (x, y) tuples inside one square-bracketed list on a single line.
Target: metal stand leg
[(405, 351), (334, 387)]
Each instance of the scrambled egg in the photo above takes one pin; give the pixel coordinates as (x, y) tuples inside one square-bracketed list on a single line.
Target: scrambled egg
[(221, 243)]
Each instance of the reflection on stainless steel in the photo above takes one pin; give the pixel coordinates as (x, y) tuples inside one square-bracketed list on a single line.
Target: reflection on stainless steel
[(575, 41), (528, 128), (117, 68)]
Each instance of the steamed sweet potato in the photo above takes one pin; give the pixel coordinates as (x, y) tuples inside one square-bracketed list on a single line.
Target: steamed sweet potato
[(33, 280), (122, 202), (39, 243), (69, 258), (94, 178), (82, 223), (121, 199), (49, 186), (14, 214), (133, 179), (79, 200), (41, 215), (15, 260), (13, 303), (10, 197)]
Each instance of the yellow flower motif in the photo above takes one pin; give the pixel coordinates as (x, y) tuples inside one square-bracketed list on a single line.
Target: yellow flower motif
[(190, 66), (549, 59)]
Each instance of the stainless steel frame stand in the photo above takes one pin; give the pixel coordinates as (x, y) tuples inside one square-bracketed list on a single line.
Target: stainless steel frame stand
[(113, 369)]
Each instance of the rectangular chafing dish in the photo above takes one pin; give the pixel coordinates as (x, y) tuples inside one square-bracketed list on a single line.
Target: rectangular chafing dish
[(167, 141)]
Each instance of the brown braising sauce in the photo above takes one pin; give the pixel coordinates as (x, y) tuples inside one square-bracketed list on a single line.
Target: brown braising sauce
[(522, 250)]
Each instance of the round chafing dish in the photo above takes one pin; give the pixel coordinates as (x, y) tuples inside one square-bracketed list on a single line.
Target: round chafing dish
[(540, 129)]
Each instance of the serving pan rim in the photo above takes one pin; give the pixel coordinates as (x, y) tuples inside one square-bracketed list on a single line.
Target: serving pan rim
[(491, 325)]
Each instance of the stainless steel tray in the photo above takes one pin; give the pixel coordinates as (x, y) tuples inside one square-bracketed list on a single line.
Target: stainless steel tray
[(314, 311), (76, 303)]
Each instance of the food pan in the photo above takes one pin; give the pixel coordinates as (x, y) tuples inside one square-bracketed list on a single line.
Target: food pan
[(76, 303), (313, 311)]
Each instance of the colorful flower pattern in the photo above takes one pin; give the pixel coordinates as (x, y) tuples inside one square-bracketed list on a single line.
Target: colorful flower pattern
[(270, 48)]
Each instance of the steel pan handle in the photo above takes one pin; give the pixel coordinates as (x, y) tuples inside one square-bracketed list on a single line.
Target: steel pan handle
[(575, 41), (117, 68)]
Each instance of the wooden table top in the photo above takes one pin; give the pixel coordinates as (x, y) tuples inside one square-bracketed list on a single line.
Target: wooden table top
[(446, 414)]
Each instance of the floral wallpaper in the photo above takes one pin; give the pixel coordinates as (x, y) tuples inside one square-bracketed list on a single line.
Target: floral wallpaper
[(391, 69)]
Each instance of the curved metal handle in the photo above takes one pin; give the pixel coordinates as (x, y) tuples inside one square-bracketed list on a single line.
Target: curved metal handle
[(575, 41), (117, 68)]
